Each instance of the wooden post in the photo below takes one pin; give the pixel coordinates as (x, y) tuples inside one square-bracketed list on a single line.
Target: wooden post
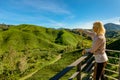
[(79, 70), (119, 66)]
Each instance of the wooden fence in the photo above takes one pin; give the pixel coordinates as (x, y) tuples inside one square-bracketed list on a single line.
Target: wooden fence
[(84, 68)]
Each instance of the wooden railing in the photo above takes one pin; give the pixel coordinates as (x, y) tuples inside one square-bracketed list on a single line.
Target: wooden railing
[(84, 68), (117, 58), (80, 64)]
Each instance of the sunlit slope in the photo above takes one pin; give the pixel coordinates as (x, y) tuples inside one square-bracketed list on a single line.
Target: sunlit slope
[(31, 37)]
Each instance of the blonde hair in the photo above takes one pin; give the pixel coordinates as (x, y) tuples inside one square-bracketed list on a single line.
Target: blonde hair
[(98, 28)]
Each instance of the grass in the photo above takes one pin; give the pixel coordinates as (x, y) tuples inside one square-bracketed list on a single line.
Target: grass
[(29, 47), (49, 71)]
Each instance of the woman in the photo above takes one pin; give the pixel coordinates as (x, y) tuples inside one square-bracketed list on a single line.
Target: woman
[(98, 49)]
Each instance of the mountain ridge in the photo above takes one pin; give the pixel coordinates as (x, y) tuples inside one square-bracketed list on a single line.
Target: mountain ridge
[(112, 26)]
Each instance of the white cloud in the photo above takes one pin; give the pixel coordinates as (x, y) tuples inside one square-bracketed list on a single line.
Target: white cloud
[(29, 11), (55, 24), (115, 20), (16, 18), (89, 25), (46, 5), (82, 25)]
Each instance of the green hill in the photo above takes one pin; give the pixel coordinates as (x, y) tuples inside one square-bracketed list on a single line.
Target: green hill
[(28, 36), (25, 48), (112, 27), (32, 37)]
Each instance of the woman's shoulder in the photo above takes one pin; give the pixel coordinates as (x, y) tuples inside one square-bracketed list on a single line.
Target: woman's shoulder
[(101, 37)]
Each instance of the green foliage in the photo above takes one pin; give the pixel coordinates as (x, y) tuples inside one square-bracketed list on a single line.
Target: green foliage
[(25, 48), (66, 38), (114, 45), (49, 71), (33, 37)]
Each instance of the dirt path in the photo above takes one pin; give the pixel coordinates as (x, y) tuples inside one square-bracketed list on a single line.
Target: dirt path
[(58, 57), (29, 75)]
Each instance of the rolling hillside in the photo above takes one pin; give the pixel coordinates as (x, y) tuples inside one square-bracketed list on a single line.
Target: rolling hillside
[(32, 37), (25, 49)]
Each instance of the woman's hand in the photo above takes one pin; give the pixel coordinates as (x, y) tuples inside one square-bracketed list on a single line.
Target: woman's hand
[(83, 52)]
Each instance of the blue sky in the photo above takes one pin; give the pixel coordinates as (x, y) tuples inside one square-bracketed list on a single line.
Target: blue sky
[(59, 13)]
